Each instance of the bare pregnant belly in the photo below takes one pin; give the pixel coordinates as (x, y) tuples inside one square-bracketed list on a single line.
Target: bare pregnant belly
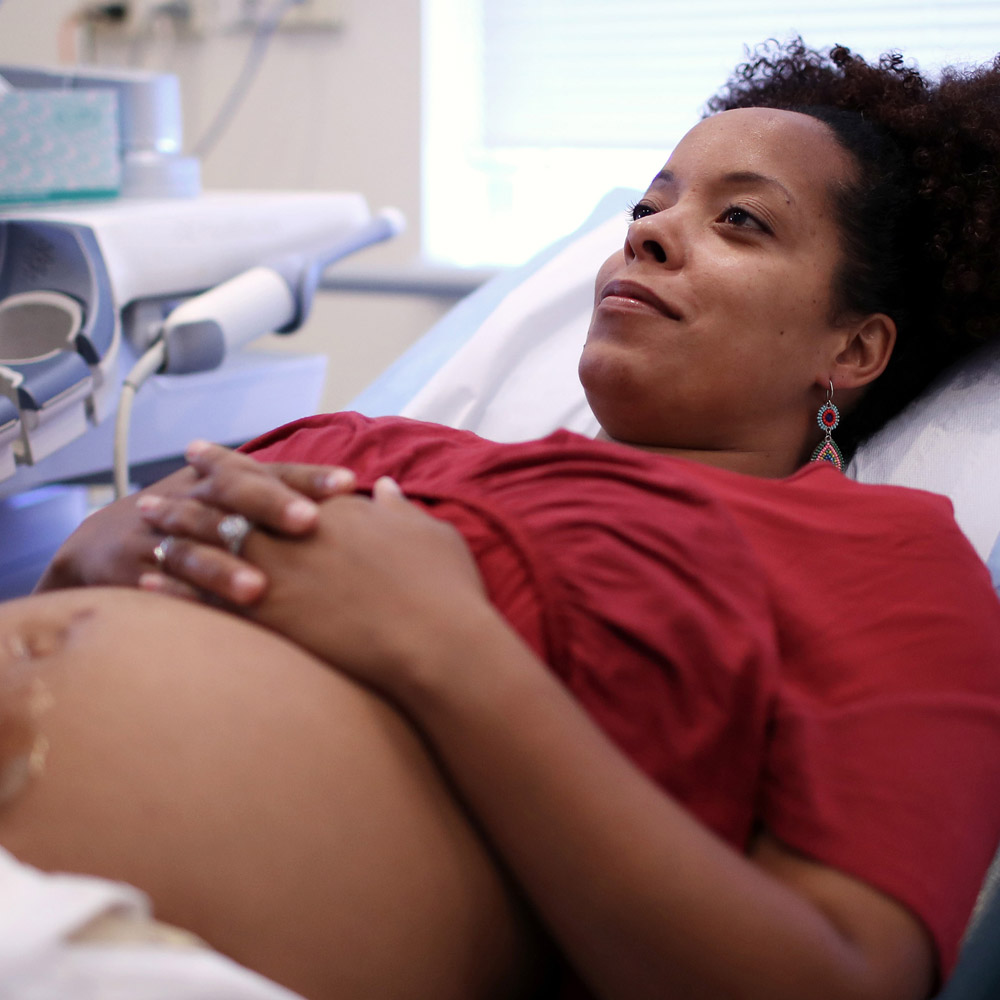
[(265, 802)]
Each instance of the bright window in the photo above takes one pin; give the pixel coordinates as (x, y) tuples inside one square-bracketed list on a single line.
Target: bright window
[(533, 109)]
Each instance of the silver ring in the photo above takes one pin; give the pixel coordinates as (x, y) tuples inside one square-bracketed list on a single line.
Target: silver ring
[(162, 550), (233, 530)]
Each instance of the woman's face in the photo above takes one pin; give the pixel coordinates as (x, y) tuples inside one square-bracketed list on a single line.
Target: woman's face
[(712, 330)]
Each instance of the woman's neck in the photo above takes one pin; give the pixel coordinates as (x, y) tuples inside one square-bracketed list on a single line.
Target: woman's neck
[(766, 464)]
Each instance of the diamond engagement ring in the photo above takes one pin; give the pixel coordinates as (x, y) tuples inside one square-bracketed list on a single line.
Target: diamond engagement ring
[(233, 530)]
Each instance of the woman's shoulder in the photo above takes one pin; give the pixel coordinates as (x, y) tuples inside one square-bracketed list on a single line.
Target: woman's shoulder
[(371, 446), (901, 515), (880, 496), (349, 424), (820, 524), (819, 490)]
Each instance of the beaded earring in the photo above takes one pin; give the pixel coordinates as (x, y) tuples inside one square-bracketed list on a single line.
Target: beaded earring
[(828, 419)]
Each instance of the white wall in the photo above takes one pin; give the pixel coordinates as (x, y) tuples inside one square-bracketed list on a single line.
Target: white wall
[(327, 111)]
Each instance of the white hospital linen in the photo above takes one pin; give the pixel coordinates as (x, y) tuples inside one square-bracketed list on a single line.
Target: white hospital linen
[(39, 915), (948, 441), (515, 378)]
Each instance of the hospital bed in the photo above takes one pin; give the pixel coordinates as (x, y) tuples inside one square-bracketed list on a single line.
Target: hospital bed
[(503, 361)]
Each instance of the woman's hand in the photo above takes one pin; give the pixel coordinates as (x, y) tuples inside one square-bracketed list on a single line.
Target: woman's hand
[(117, 545), (379, 589), (196, 562), (112, 547)]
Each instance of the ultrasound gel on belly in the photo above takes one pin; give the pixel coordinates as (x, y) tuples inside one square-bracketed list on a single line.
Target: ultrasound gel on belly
[(24, 699)]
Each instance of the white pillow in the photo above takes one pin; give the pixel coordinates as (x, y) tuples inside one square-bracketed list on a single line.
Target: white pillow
[(515, 379), (503, 361), (948, 441)]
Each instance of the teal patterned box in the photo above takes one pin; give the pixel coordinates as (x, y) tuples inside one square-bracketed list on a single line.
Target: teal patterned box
[(57, 144)]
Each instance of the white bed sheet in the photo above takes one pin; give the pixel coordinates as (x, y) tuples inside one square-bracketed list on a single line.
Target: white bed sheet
[(40, 913)]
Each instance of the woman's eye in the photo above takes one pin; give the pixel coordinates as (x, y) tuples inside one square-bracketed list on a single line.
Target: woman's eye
[(742, 219), (640, 210)]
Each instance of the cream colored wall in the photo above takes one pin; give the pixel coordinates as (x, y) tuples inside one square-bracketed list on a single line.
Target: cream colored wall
[(327, 111)]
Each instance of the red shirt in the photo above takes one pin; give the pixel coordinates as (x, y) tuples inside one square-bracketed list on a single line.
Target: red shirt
[(809, 654)]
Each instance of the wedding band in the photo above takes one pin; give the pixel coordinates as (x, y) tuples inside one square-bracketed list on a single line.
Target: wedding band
[(233, 530), (161, 551)]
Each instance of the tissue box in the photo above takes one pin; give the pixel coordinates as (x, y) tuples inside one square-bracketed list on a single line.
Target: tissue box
[(58, 144)]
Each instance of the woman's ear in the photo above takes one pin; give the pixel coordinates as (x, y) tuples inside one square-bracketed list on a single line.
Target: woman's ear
[(865, 351)]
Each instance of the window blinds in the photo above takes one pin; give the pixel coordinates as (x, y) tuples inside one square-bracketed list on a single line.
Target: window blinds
[(596, 73), (535, 108)]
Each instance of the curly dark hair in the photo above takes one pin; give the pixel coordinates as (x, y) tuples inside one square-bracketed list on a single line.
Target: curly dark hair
[(921, 222)]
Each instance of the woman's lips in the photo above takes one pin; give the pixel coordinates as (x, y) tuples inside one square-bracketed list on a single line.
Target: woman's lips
[(630, 290)]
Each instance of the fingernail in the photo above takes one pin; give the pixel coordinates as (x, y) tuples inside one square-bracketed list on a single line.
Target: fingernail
[(152, 581), (386, 486), (246, 584), (196, 448), (338, 479), (149, 503), (300, 512)]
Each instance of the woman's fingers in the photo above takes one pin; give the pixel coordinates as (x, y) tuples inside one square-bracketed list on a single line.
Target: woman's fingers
[(281, 497), (189, 568), (202, 558), (195, 561), (160, 583), (318, 482), (386, 490), (182, 516)]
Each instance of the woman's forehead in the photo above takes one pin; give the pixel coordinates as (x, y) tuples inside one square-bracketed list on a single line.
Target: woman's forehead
[(796, 150)]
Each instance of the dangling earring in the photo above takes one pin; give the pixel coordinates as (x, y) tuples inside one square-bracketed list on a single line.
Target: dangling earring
[(828, 419)]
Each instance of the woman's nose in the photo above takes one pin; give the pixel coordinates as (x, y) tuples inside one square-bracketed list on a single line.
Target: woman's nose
[(655, 237)]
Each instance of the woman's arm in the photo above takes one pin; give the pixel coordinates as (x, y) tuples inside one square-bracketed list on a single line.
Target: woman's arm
[(643, 899)]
